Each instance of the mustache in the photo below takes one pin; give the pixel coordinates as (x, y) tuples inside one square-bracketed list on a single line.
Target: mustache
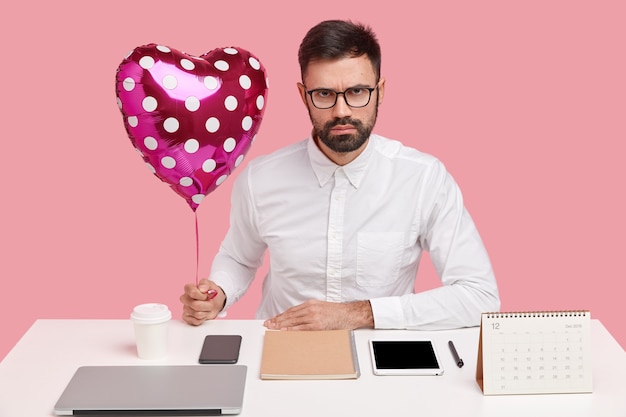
[(343, 121)]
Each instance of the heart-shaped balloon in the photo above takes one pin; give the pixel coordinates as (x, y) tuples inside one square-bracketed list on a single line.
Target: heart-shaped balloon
[(191, 118)]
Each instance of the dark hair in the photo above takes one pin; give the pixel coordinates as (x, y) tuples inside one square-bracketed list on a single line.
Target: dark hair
[(334, 39)]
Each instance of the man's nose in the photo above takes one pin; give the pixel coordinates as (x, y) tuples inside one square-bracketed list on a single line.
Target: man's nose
[(341, 108)]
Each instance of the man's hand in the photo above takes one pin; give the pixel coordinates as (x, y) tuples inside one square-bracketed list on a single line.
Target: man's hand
[(202, 302), (324, 315)]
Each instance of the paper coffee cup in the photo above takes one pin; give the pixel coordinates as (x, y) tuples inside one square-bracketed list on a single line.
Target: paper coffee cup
[(151, 323)]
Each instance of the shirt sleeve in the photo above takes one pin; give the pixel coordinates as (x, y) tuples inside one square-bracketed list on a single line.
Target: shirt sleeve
[(242, 250), (459, 256)]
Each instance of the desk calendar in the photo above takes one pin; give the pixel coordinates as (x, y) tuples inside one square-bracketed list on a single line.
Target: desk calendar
[(539, 352)]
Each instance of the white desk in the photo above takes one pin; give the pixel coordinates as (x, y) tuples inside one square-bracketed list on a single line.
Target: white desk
[(35, 372)]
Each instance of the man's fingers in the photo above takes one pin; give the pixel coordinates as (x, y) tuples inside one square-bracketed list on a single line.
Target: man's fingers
[(301, 317)]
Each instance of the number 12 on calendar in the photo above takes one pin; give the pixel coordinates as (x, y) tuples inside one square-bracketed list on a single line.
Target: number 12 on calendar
[(539, 352)]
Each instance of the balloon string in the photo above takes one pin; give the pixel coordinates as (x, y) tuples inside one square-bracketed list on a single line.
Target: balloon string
[(197, 251)]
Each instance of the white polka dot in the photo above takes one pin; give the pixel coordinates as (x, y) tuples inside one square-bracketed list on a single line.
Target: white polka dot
[(209, 165), (149, 104), (192, 103), (133, 121), (246, 123), (170, 82), (192, 145), (221, 179), (171, 125), (238, 160), (222, 65), (231, 51), (187, 64), (150, 167), (168, 162), (211, 83), (260, 102), (245, 82), (119, 103), (229, 144), (212, 124), (150, 143), (185, 181), (163, 48), (254, 63), (230, 103), (197, 198), (146, 62), (128, 84)]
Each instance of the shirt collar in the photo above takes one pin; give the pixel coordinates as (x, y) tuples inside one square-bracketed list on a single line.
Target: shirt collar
[(324, 168)]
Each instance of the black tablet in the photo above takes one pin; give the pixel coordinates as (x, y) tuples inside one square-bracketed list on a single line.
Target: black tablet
[(404, 357)]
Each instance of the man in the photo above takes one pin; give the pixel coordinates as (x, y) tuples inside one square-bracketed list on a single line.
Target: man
[(346, 215)]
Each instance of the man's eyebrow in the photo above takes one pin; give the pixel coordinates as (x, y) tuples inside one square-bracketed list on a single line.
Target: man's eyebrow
[(360, 85)]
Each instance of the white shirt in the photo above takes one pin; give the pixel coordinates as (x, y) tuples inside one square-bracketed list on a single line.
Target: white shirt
[(356, 232)]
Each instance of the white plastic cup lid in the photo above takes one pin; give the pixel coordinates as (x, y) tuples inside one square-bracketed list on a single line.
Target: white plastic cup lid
[(151, 313)]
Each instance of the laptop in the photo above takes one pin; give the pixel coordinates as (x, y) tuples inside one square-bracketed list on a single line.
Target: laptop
[(185, 390)]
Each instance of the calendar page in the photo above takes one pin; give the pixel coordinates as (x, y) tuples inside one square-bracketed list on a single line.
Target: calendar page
[(534, 353)]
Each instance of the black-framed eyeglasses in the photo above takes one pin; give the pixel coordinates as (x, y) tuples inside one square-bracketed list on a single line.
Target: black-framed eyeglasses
[(355, 97)]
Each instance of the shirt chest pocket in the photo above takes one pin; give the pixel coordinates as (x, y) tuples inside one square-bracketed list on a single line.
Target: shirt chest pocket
[(379, 257)]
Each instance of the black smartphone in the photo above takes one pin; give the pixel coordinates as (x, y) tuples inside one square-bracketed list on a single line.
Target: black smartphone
[(220, 348)]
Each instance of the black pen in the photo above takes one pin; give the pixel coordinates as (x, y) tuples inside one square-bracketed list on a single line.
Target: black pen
[(455, 355)]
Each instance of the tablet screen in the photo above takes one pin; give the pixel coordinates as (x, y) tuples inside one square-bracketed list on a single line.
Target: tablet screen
[(405, 355)]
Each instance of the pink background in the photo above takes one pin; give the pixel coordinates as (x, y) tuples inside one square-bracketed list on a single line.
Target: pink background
[(524, 102)]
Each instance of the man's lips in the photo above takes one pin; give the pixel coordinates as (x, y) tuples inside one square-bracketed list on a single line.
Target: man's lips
[(342, 129)]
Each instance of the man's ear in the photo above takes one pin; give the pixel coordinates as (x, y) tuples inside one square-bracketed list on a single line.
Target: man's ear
[(381, 91), (302, 91)]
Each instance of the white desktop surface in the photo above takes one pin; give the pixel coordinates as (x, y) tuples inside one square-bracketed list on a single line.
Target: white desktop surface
[(35, 372)]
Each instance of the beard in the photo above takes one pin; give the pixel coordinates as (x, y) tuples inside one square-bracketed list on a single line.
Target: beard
[(344, 143)]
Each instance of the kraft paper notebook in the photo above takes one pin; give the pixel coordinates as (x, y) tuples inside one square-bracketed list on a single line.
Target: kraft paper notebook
[(322, 354), (537, 352)]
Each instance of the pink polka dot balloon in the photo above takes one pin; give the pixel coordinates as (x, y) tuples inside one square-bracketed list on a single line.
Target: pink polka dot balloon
[(192, 119)]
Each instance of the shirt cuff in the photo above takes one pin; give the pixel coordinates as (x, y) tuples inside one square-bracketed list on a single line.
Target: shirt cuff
[(222, 281), (387, 312)]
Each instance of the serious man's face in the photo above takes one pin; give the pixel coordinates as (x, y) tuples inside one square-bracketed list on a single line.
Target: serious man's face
[(341, 128)]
